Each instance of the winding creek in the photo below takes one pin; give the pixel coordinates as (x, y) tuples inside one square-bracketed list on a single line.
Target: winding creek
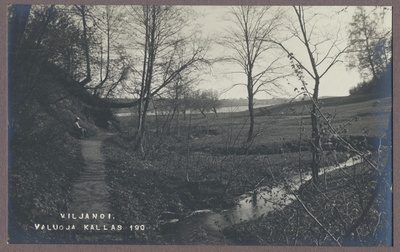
[(250, 206)]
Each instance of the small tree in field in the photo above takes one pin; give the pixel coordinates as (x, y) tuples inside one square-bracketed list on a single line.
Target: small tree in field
[(248, 39), (205, 101)]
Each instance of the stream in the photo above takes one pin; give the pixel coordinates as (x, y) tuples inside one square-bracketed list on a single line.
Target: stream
[(250, 206)]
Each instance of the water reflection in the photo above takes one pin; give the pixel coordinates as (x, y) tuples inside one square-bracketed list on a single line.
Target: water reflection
[(259, 203)]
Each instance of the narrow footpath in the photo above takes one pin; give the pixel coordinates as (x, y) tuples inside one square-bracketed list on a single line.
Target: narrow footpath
[(89, 208)]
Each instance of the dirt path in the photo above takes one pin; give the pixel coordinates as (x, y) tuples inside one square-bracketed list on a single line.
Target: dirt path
[(90, 194)]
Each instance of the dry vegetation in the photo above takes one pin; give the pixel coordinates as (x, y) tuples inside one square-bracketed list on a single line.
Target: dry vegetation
[(206, 164)]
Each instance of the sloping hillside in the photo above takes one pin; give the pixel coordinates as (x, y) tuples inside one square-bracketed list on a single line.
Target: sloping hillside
[(44, 153)]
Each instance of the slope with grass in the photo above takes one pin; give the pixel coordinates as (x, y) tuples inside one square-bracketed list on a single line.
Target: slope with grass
[(45, 156), (205, 163)]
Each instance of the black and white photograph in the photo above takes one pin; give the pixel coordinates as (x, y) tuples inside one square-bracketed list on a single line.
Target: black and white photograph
[(223, 125)]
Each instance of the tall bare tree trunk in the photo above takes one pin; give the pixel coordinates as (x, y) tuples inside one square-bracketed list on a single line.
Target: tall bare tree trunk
[(316, 139), (86, 47), (251, 110), (146, 81)]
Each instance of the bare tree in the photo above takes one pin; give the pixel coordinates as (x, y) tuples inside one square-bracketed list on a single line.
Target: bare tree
[(159, 42), (176, 94), (88, 77), (253, 27), (204, 101), (111, 66), (323, 50)]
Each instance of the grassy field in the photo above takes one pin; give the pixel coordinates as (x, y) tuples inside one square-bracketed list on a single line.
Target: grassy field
[(205, 163)]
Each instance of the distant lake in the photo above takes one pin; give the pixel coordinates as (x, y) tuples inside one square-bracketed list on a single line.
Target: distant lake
[(230, 109), (239, 108)]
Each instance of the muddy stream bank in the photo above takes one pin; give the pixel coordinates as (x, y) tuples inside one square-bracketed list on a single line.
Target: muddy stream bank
[(207, 225)]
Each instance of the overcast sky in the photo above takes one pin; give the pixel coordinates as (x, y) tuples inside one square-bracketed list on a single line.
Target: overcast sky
[(336, 82)]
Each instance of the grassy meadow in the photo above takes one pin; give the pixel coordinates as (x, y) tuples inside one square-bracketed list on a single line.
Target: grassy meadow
[(198, 162)]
